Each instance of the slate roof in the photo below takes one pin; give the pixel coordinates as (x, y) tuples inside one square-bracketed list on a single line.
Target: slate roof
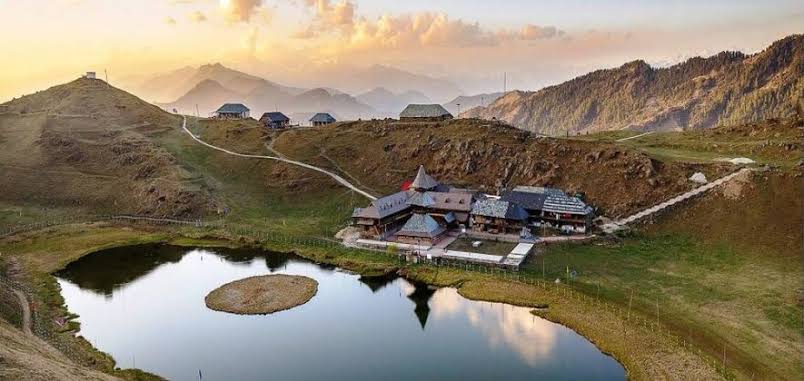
[(423, 180), (424, 111), (384, 207), (455, 201), (499, 209), (531, 198), (449, 217), (233, 108), (323, 118), (561, 203), (275, 117), (421, 225), (420, 199)]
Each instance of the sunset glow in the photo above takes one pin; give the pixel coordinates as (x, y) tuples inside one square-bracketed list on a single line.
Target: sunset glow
[(474, 42)]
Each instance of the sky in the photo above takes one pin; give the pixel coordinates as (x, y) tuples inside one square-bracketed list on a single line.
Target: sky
[(294, 42)]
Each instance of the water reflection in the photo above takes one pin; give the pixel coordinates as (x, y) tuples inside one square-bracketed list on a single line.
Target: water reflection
[(144, 305), (531, 337)]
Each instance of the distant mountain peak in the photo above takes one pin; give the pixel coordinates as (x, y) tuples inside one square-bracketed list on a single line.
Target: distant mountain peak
[(726, 88)]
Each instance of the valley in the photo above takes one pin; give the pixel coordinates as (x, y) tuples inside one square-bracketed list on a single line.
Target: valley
[(706, 289)]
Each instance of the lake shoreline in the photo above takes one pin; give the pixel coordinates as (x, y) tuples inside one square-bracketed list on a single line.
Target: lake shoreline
[(633, 348)]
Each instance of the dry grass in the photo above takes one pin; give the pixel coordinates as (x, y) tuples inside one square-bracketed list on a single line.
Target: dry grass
[(260, 295), (489, 156)]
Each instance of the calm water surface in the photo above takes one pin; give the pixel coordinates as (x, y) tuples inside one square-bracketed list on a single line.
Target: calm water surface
[(145, 306)]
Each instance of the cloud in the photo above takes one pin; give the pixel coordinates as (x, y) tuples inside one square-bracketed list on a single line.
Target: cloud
[(241, 10), (170, 20), (329, 17), (536, 32), (197, 16), (422, 29)]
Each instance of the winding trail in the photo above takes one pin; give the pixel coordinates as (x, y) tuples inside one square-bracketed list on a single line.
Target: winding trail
[(635, 136), (26, 312), (337, 178), (620, 224)]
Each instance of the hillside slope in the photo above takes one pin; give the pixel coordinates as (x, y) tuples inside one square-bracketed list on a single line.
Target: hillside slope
[(90, 146), (490, 156), (728, 88)]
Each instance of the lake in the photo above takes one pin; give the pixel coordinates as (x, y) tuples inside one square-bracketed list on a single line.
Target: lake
[(144, 305)]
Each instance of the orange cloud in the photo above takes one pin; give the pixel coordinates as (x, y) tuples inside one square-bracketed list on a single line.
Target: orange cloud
[(423, 29), (241, 10)]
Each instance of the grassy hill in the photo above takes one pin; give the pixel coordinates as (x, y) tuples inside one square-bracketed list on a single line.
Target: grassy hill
[(724, 268), (88, 146)]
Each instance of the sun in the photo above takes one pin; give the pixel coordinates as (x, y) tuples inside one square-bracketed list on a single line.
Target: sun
[(224, 3)]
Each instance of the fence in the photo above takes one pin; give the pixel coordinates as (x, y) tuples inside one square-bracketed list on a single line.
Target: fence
[(563, 290)]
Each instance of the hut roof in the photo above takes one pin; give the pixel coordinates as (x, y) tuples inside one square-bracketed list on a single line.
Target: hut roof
[(421, 199), (499, 209), (323, 118), (424, 111), (275, 117), (423, 180), (561, 203), (455, 201), (531, 198), (384, 207), (233, 108), (421, 225)]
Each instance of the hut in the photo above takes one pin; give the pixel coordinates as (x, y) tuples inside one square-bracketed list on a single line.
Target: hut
[(383, 217), (232, 111), (552, 207), (498, 217), (275, 120), (422, 112), (322, 119), (421, 229)]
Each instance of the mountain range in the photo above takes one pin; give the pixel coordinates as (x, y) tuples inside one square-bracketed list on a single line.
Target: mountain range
[(724, 89), (202, 90), (467, 102)]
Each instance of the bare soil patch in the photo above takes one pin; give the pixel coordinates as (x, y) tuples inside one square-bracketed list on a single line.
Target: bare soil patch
[(262, 294)]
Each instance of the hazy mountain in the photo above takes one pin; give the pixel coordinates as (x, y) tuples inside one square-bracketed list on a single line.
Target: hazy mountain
[(466, 102), (208, 95), (170, 86), (215, 84), (341, 106), (167, 86), (358, 80), (728, 88), (385, 101)]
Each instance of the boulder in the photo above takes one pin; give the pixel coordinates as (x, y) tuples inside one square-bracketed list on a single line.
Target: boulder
[(699, 178)]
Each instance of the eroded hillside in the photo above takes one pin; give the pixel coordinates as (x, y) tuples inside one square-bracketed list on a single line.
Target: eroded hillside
[(491, 156)]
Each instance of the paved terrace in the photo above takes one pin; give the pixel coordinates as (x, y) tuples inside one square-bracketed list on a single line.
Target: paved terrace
[(438, 251)]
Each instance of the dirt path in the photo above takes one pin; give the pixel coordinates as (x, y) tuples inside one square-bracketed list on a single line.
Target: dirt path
[(620, 224), (26, 312), (635, 136), (337, 178)]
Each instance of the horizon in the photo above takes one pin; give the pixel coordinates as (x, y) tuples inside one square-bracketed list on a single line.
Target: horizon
[(307, 43)]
